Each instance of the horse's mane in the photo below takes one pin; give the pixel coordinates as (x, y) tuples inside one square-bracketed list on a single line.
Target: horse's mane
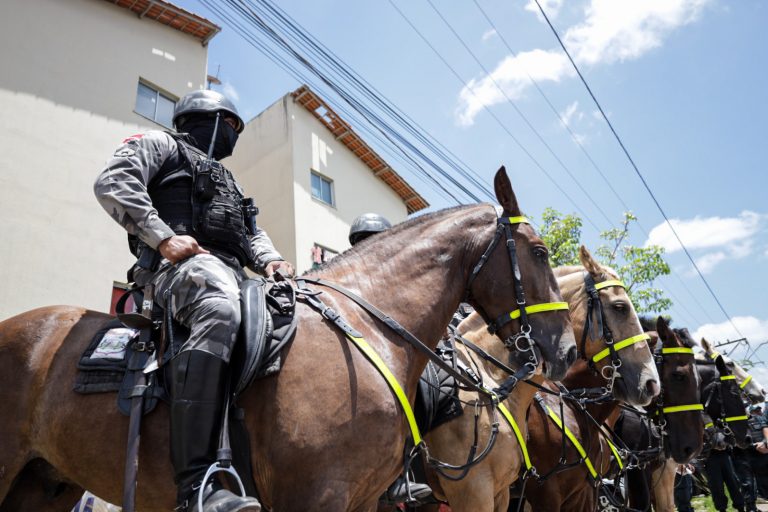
[(391, 232), (567, 270)]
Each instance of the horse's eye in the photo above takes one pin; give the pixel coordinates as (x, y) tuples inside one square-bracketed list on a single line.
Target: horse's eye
[(619, 306), (541, 252)]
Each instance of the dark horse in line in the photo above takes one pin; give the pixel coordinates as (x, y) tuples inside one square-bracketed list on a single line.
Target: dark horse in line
[(327, 433)]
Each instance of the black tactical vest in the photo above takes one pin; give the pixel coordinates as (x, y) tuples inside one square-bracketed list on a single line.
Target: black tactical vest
[(200, 198)]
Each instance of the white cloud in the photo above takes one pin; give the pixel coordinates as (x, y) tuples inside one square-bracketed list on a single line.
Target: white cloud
[(708, 232), (612, 30), (489, 34), (617, 30), (570, 111), (754, 329), (551, 7), (230, 92), (512, 76), (708, 262)]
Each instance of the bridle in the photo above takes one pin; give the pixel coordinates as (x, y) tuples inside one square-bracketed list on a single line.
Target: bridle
[(522, 342), (723, 421), (602, 331), (661, 409)]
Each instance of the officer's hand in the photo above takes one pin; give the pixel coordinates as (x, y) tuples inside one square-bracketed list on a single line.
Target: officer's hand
[(180, 247), (274, 266)]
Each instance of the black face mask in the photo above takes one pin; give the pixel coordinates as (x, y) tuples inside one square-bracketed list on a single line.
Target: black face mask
[(201, 131)]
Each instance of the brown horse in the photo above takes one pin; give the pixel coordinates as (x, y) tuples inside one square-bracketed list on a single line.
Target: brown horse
[(676, 412), (486, 487), (636, 384), (326, 431)]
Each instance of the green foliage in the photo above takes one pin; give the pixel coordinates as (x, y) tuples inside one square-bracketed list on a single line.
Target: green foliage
[(638, 267), (561, 234)]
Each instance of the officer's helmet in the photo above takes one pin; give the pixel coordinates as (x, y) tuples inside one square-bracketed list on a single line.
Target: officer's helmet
[(366, 225), (205, 102)]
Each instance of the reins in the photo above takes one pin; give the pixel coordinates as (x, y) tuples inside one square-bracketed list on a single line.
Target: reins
[(522, 342)]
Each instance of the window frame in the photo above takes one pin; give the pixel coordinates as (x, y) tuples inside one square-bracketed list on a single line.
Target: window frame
[(158, 93), (329, 181)]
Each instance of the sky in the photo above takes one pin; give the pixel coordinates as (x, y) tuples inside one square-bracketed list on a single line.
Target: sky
[(684, 83)]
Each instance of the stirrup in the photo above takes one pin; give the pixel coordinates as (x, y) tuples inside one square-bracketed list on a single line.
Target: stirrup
[(214, 468)]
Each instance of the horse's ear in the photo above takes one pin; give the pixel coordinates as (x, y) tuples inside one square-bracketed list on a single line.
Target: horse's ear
[(707, 346), (721, 366), (592, 266), (665, 333), (504, 194)]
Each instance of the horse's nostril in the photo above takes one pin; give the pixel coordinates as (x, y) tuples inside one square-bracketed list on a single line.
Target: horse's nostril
[(571, 356), (652, 387)]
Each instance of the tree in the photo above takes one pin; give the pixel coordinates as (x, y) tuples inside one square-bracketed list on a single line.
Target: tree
[(638, 267), (561, 233)]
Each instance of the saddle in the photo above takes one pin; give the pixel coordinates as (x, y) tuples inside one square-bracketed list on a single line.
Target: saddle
[(437, 393), (115, 356)]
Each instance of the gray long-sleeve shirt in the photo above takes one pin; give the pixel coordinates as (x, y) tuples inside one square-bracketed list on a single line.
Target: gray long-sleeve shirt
[(121, 189)]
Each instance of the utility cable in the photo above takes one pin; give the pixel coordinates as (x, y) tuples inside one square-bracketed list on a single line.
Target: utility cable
[(637, 170)]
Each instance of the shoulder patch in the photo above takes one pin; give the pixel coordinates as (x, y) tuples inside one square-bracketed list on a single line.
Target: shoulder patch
[(133, 137), (124, 152)]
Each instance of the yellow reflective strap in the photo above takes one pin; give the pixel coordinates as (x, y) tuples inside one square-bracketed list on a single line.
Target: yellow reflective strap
[(620, 345), (677, 350), (714, 355), (709, 425), (518, 220), (683, 408), (746, 381), (519, 435), (540, 308), (606, 284), (728, 377), (380, 365), (615, 451), (736, 418), (575, 442)]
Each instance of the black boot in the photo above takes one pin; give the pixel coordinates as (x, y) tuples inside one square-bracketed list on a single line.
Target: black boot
[(197, 387)]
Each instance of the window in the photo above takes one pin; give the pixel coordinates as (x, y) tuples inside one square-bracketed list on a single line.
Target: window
[(322, 189), (154, 105)]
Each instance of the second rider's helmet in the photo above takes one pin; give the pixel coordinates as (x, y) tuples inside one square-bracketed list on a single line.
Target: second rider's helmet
[(366, 225)]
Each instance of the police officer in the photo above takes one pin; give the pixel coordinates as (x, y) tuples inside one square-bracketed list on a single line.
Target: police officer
[(186, 223), (363, 227), (749, 463)]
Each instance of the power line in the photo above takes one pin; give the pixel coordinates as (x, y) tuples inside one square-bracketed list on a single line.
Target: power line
[(589, 157), (637, 171), (494, 116), (519, 112)]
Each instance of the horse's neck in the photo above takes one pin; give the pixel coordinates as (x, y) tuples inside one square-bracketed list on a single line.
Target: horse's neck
[(418, 274)]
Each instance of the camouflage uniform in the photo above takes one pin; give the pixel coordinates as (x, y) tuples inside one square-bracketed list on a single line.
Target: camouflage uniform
[(203, 289)]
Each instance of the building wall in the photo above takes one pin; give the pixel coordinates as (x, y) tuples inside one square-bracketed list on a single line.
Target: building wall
[(262, 164), (356, 189), (67, 92)]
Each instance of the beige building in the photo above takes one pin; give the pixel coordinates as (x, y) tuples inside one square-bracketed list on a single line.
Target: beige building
[(312, 175), (78, 76), (81, 75)]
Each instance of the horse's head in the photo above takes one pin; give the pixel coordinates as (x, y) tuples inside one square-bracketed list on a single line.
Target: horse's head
[(513, 287), (750, 388), (723, 403), (678, 407), (612, 341)]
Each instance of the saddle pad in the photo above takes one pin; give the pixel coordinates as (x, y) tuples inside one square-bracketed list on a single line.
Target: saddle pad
[(102, 365)]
